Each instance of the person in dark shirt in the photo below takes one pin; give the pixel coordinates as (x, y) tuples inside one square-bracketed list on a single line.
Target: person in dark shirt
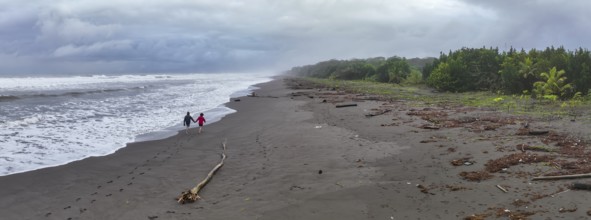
[(187, 122)]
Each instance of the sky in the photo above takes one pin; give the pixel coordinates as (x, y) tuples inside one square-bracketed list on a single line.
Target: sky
[(179, 36)]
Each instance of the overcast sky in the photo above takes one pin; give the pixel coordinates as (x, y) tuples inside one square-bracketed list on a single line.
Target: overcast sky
[(148, 36)]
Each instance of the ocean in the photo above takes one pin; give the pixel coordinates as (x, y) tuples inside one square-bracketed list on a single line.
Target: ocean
[(51, 121)]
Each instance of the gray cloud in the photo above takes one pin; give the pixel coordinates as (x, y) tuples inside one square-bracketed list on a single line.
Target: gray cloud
[(129, 36)]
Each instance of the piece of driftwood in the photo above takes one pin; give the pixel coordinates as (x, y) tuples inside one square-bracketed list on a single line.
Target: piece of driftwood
[(346, 105), (537, 132), (502, 188), (574, 176), (192, 195), (584, 186), (434, 127), (378, 113)]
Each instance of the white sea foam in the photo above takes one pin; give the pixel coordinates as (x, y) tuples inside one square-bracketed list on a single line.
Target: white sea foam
[(48, 131)]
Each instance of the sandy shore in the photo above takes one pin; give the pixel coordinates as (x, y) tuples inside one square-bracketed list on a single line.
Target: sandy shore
[(293, 155)]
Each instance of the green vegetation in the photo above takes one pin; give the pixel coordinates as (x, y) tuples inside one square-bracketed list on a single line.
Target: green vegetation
[(553, 73), (549, 82), (421, 96)]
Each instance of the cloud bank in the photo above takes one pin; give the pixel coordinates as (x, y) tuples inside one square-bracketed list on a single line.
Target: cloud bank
[(133, 36)]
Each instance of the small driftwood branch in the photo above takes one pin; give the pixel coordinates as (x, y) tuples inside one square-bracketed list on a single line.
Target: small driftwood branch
[(574, 176), (192, 195), (378, 113), (346, 105), (502, 188), (538, 132)]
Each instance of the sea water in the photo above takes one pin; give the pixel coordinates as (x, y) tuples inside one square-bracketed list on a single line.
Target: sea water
[(50, 121)]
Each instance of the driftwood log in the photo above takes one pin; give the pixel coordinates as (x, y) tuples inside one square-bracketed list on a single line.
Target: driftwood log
[(538, 132), (192, 195), (574, 176), (346, 105)]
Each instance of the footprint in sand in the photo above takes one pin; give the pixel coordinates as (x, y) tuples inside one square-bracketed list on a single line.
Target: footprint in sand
[(92, 201), (108, 195), (67, 207), (94, 193), (110, 181), (78, 199), (47, 214)]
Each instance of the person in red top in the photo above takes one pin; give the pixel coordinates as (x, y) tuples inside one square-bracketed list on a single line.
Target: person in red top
[(200, 121)]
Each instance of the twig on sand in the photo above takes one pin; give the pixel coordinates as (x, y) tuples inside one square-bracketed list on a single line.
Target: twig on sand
[(586, 175), (502, 188), (378, 113), (193, 194)]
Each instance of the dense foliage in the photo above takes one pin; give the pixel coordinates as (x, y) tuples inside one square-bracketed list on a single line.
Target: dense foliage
[(393, 70), (551, 73)]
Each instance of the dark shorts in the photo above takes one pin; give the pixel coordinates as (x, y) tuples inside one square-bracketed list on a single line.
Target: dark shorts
[(200, 124)]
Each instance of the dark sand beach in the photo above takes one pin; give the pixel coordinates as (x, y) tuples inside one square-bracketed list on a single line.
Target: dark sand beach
[(291, 154)]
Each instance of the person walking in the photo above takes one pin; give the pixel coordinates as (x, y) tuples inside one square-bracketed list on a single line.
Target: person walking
[(187, 122), (200, 121)]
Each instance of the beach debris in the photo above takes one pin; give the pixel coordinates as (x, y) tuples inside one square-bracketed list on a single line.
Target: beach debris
[(319, 171), (427, 141), (346, 105), (583, 186), (502, 188), (520, 203), (538, 132), (424, 189), (428, 126), (455, 188), (463, 161), (574, 176), (563, 210), (497, 165), (476, 175), (192, 195), (525, 147), (379, 112), (236, 100), (317, 126)]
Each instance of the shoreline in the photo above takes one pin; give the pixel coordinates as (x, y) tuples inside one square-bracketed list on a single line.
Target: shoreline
[(167, 131), (293, 155)]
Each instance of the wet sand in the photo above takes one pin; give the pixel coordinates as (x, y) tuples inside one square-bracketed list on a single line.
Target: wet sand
[(293, 155)]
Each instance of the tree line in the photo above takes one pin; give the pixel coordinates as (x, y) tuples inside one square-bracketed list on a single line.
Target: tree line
[(552, 73)]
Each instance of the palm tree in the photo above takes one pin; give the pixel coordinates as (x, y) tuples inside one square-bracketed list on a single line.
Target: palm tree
[(553, 84)]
